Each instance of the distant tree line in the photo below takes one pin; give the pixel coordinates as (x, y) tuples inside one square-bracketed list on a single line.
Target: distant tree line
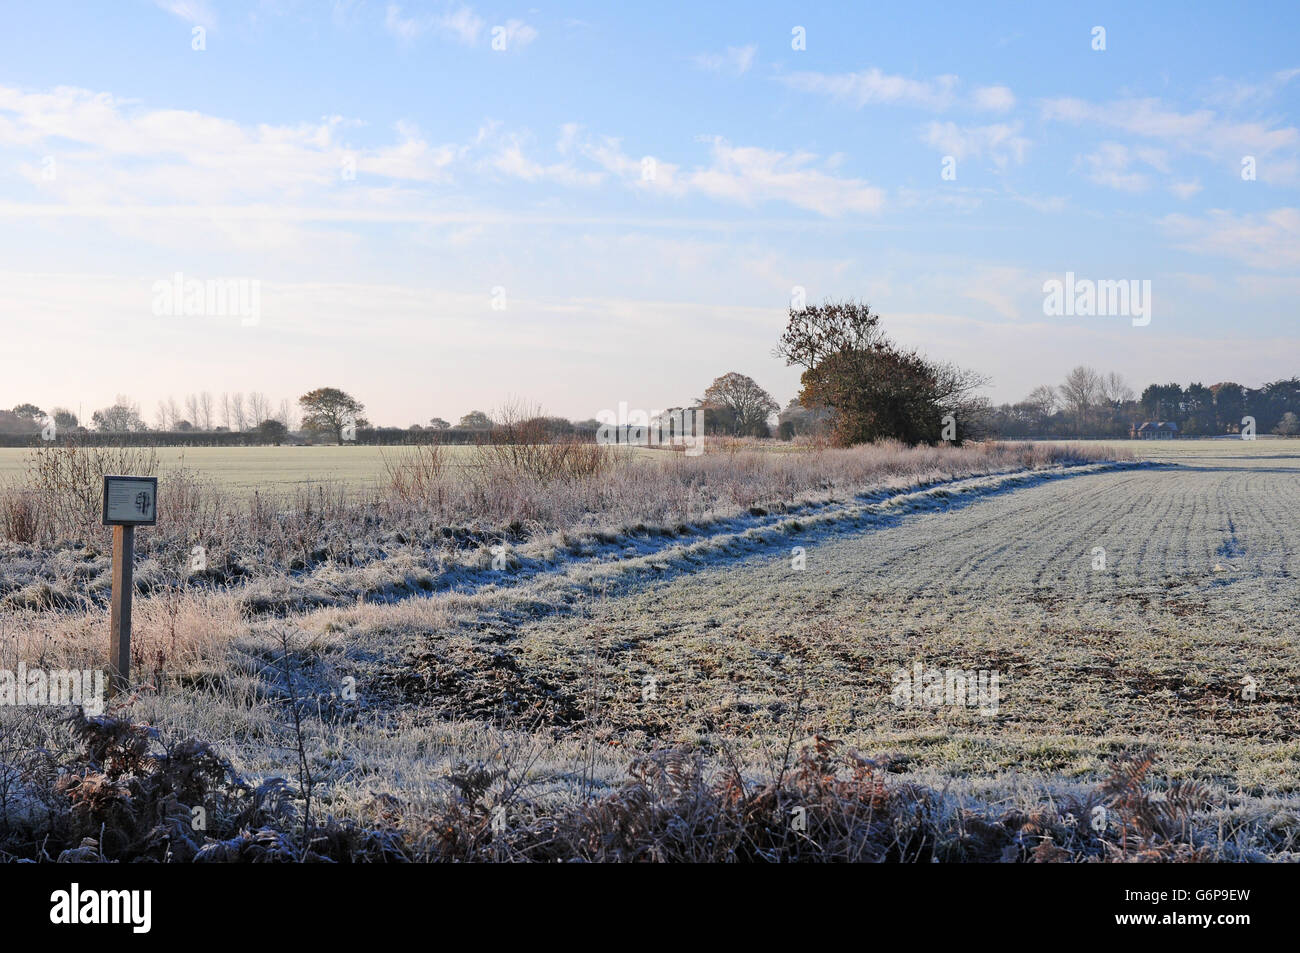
[(1091, 404), (857, 386)]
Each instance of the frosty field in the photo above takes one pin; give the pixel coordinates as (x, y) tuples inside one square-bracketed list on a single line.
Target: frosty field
[(1197, 600), (284, 468), (1133, 606)]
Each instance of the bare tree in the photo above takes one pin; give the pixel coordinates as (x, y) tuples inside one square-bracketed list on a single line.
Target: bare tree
[(1043, 399), (238, 413), (192, 410), (205, 410), (123, 415), (289, 415), (168, 415), (259, 408), (1081, 393), (1115, 389)]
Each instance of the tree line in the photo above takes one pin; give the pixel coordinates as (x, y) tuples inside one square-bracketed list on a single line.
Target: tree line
[(1088, 403), (856, 386)]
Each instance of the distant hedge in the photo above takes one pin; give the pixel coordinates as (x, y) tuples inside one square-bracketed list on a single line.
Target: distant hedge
[(370, 436)]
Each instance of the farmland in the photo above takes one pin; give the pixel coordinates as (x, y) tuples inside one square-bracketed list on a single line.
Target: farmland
[(575, 658), (266, 469), (279, 469)]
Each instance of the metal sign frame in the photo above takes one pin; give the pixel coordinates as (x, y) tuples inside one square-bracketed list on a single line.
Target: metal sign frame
[(151, 521)]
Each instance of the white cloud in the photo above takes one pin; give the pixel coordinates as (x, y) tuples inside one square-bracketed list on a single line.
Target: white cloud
[(516, 34), (735, 59), (1001, 142), (746, 175), (110, 150), (1112, 165), (750, 175), (1203, 132), (460, 23), (870, 87), (994, 99), (1266, 240), (510, 160), (191, 11), (122, 155), (1234, 93)]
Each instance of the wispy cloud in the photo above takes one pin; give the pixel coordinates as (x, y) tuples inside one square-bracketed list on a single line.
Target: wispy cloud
[(460, 23), (1233, 93), (513, 35), (1116, 166), (1203, 132), (998, 99), (872, 86), (1001, 142), (191, 11), (734, 59), (1265, 240), (745, 175)]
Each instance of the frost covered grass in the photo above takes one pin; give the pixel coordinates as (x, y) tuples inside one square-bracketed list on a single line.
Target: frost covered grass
[(429, 518), (646, 693)]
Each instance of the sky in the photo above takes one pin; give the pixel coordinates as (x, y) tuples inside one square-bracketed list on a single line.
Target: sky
[(445, 207)]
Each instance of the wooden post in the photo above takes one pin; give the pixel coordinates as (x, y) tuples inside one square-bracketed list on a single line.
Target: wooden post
[(119, 647), (129, 501)]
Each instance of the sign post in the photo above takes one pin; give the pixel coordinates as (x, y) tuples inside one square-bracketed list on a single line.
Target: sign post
[(129, 501)]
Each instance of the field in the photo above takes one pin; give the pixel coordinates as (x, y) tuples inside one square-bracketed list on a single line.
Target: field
[(267, 469), (1124, 608), (244, 469)]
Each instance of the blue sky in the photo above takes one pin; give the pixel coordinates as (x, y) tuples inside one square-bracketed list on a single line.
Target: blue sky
[(127, 156)]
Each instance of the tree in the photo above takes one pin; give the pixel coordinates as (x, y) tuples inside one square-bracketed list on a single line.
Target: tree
[(799, 421), (30, 412), (746, 406), (168, 415), (329, 410), (1115, 390), (475, 420), (238, 413), (272, 430), (1043, 400), (1229, 406), (437, 423), (259, 409), (64, 419), (1288, 426), (122, 417), (1081, 393), (1162, 402), (205, 411), (875, 389)]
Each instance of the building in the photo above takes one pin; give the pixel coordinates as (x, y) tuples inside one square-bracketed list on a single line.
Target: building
[(1154, 430)]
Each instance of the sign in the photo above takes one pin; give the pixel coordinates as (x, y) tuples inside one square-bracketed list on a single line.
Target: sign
[(130, 501)]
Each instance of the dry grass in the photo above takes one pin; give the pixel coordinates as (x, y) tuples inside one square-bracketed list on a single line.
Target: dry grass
[(426, 512), (128, 794), (501, 717)]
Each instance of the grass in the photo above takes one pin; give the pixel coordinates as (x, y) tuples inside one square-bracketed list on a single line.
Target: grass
[(446, 710), (265, 469)]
